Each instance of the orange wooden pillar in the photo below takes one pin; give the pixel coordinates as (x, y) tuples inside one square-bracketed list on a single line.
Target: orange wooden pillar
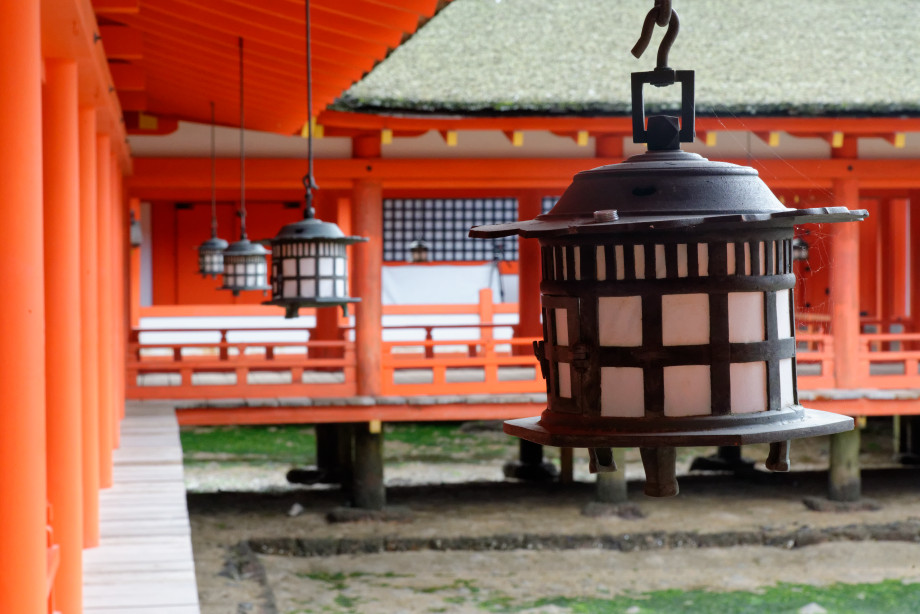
[(134, 273), (23, 492), (368, 259), (915, 264), (530, 205), (119, 243), (327, 320), (62, 326), (844, 288), (895, 270), (89, 318), (104, 255)]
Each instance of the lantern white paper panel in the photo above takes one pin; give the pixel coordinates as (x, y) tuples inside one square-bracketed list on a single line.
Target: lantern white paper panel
[(685, 319), (702, 259), (308, 288), (622, 392), (730, 259), (565, 380), (602, 262), (639, 255), (619, 321), (621, 265), (745, 317), (577, 263), (687, 391), (562, 326), (749, 387), (783, 317), (682, 268), (786, 383), (661, 269)]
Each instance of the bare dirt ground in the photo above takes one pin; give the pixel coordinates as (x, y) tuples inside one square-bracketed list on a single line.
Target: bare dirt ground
[(501, 545)]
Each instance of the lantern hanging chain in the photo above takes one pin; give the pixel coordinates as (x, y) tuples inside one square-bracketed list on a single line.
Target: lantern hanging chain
[(663, 15), (242, 153), (213, 178), (309, 183)]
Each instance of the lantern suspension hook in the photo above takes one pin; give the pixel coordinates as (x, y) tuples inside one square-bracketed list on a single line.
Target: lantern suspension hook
[(309, 182), (663, 15)]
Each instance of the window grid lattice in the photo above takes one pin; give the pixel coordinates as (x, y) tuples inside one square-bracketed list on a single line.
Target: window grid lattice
[(444, 224)]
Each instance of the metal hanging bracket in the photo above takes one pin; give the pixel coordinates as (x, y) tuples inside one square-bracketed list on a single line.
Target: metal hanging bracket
[(663, 132)]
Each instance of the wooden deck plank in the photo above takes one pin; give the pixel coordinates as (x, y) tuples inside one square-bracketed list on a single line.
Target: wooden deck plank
[(144, 562)]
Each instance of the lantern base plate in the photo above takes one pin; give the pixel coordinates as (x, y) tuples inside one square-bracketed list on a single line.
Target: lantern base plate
[(794, 422)]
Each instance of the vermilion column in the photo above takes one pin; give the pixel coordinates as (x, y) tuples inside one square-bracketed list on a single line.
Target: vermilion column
[(106, 323), (134, 274), (915, 264), (62, 326), (23, 493), (844, 285), (530, 205), (121, 245), (368, 222), (89, 318)]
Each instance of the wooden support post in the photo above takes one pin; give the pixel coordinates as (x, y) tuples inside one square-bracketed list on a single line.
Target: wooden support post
[(844, 289), (915, 265), (62, 326), (844, 482), (369, 492), (23, 493), (611, 485), (530, 465), (104, 262), (89, 319), (566, 466), (368, 221)]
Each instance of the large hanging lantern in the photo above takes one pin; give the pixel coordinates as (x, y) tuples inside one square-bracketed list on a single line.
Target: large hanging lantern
[(211, 252), (667, 303), (309, 257), (245, 265), (310, 265)]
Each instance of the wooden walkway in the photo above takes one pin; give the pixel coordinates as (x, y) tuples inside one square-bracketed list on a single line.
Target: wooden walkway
[(144, 562)]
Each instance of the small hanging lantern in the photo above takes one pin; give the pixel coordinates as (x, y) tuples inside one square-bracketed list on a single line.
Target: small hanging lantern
[(211, 252), (418, 251), (245, 266), (309, 257), (800, 249), (135, 233), (667, 301)]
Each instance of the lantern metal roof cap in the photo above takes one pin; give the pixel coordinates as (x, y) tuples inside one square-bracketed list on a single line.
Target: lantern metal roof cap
[(245, 247), (214, 244), (662, 190), (311, 228)]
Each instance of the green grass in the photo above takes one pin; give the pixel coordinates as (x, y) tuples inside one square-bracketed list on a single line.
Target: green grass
[(286, 444), (889, 597), (404, 442)]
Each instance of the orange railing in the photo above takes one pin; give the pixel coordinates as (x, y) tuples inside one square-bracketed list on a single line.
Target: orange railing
[(815, 360), (443, 359), (889, 360)]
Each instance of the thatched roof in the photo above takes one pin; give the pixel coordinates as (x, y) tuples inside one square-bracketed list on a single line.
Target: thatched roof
[(751, 57)]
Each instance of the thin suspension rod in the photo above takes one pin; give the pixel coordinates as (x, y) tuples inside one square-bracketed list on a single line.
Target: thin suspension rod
[(213, 178), (242, 152), (309, 183)]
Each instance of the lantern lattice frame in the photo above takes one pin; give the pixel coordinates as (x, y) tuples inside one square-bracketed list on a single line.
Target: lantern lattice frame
[(310, 266)]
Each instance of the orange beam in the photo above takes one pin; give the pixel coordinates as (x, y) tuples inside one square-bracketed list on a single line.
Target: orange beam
[(868, 126), (122, 43), (128, 77), (396, 17), (361, 413), (23, 493), (62, 326), (181, 177), (116, 7)]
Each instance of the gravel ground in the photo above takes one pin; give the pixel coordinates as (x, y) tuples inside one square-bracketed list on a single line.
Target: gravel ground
[(447, 504)]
